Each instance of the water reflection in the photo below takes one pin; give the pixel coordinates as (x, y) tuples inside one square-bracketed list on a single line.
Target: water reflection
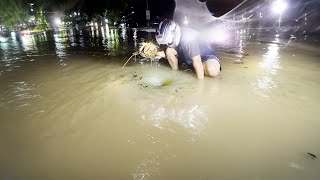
[(269, 66), (135, 37), (147, 168), (61, 44), (124, 33), (234, 45), (175, 119), (19, 95), (242, 36)]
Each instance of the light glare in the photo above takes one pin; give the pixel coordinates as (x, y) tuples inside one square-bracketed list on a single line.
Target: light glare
[(57, 21), (279, 6)]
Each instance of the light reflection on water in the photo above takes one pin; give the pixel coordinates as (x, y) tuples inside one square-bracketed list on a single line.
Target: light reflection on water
[(269, 64)]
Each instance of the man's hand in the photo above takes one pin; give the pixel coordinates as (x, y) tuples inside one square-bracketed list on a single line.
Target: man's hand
[(198, 66), (161, 54)]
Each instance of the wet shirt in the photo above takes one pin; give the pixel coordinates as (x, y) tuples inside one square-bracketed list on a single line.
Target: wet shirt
[(191, 45)]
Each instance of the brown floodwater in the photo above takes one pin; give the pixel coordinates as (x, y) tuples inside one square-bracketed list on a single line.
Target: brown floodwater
[(68, 111)]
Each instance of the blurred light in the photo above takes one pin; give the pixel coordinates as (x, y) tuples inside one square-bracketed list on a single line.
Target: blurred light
[(279, 7), (220, 34), (107, 31), (123, 33), (70, 15), (186, 21), (3, 39), (57, 21), (31, 9), (106, 20), (75, 13), (102, 32)]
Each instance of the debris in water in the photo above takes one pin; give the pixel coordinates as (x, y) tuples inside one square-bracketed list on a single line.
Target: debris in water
[(238, 61), (166, 83), (148, 51), (312, 155), (296, 166)]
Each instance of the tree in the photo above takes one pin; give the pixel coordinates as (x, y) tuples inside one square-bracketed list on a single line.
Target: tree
[(14, 14)]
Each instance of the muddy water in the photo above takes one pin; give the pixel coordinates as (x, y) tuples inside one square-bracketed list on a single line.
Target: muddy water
[(68, 111)]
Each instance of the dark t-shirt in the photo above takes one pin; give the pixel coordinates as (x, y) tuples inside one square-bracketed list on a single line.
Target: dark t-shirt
[(191, 45)]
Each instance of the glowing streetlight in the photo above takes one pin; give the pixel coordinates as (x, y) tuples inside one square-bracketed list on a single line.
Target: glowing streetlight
[(279, 7), (57, 21)]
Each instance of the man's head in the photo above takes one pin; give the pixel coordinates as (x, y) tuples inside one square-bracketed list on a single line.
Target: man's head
[(169, 33)]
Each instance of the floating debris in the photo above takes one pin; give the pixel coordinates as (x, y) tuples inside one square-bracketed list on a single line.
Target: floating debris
[(166, 83), (312, 155), (148, 51), (238, 61), (135, 75)]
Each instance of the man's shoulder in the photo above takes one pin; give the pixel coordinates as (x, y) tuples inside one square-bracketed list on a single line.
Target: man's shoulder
[(189, 34)]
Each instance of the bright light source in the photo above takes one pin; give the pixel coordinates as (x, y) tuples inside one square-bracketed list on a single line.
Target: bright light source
[(3, 39), (219, 34), (106, 20), (75, 13), (57, 21), (279, 6), (186, 21)]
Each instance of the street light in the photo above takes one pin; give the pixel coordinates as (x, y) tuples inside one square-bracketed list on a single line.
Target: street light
[(57, 21), (279, 7)]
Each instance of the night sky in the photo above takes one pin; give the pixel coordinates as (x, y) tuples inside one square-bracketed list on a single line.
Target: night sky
[(160, 8)]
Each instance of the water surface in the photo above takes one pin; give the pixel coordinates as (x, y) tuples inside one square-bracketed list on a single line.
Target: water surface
[(68, 111)]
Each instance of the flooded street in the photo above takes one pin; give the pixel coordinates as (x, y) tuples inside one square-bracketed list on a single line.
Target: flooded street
[(68, 111)]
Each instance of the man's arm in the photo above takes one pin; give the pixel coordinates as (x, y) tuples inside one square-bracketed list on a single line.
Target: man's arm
[(170, 55), (198, 66), (161, 54)]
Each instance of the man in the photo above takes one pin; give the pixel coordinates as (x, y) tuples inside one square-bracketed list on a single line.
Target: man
[(184, 45)]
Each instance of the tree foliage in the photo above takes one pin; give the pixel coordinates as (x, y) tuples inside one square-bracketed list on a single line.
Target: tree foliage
[(16, 12), (13, 13)]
